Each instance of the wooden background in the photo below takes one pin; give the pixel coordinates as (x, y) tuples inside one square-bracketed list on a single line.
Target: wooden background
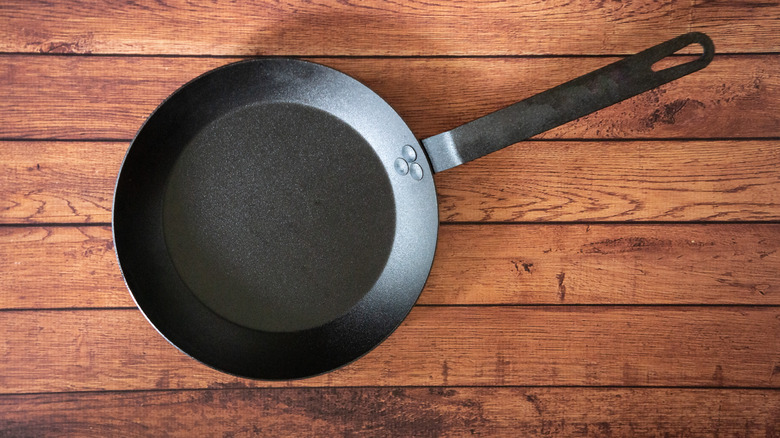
[(615, 276)]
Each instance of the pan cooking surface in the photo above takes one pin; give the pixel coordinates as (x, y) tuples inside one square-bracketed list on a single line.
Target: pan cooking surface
[(278, 216)]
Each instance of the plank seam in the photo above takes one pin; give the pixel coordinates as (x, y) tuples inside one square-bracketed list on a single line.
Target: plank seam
[(622, 223), (323, 56), (450, 224), (55, 224), (549, 306), (541, 140), (338, 387)]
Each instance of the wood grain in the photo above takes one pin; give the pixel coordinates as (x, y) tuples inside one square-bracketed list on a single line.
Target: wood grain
[(60, 267), (541, 181), (616, 181), (109, 97), (104, 350), (75, 267), (398, 412), (379, 27), (606, 264), (58, 182)]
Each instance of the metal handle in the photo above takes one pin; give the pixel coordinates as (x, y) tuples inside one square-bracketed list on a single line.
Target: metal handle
[(596, 90)]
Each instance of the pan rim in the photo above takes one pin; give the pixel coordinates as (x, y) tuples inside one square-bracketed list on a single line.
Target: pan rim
[(432, 236)]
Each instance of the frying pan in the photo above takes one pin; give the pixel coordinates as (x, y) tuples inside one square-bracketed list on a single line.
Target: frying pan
[(276, 219)]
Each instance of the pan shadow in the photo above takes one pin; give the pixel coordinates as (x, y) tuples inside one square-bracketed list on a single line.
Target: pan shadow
[(424, 86)]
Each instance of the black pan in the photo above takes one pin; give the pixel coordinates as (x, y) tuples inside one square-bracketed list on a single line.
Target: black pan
[(276, 219)]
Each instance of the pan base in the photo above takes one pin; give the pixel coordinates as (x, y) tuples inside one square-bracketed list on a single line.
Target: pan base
[(279, 217)]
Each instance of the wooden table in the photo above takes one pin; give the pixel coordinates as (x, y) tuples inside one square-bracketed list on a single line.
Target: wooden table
[(615, 276)]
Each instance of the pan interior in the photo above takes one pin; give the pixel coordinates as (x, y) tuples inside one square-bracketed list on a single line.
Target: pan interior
[(279, 216)]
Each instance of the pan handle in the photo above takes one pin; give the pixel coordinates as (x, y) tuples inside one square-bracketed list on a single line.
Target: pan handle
[(596, 90)]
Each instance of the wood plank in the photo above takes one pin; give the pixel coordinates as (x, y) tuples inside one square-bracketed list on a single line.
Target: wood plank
[(56, 182), (398, 412), (60, 267), (616, 181), (75, 267), (606, 264), (108, 97), (103, 350), (379, 27), (72, 182), (726, 21)]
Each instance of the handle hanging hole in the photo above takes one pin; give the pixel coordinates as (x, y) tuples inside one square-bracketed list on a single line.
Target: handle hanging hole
[(683, 56)]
